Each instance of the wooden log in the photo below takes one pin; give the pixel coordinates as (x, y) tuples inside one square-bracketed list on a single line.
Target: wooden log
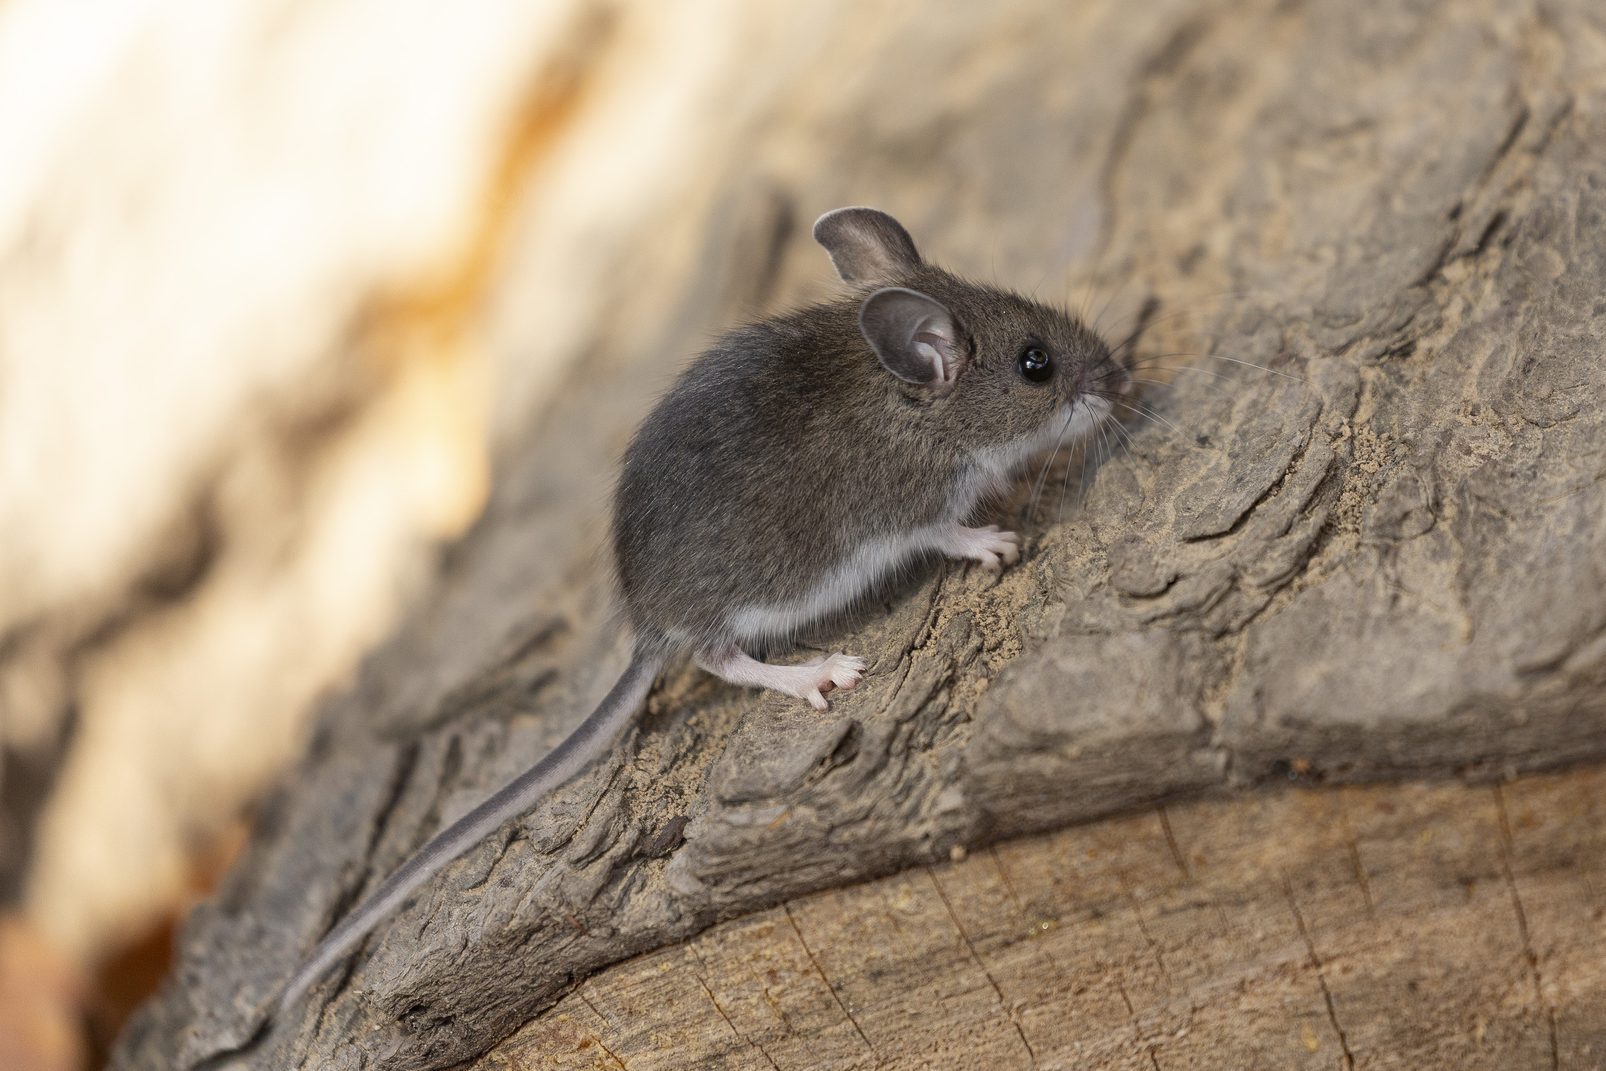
[(1403, 926), (1364, 541)]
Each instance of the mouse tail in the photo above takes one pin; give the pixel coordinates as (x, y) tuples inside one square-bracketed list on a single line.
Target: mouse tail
[(592, 739)]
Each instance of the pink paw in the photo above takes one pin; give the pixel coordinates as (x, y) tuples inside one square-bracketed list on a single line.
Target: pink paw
[(834, 671), (993, 547)]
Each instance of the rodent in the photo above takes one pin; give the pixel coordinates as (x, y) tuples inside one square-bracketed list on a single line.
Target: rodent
[(792, 467)]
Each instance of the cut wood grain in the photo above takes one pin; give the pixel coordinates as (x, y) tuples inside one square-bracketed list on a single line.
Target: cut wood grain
[(1439, 927)]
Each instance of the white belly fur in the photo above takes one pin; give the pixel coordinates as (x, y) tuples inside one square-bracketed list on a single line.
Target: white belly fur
[(840, 588), (872, 562)]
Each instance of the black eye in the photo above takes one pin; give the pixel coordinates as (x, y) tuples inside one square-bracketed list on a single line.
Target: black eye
[(1036, 365)]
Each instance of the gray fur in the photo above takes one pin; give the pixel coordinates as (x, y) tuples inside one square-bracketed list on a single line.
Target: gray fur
[(787, 445), (866, 245), (786, 462)]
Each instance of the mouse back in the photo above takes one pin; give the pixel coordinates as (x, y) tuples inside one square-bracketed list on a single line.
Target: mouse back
[(775, 456), (837, 436)]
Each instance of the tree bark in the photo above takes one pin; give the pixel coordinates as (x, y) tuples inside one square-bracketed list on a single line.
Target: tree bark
[(1358, 536)]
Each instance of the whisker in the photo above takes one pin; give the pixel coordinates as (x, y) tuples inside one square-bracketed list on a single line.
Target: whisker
[(1252, 364), (1087, 296), (1145, 359), (1110, 395), (1146, 362), (1106, 306), (1235, 360), (1120, 398), (1104, 455), (1150, 413), (1106, 439), (1125, 438), (1081, 494), (1042, 476), (1183, 368), (1059, 509), (1168, 356), (1169, 383), (1041, 279)]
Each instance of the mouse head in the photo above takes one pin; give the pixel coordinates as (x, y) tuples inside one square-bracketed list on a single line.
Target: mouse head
[(998, 370)]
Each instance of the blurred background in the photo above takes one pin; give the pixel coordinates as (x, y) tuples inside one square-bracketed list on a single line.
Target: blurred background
[(279, 281)]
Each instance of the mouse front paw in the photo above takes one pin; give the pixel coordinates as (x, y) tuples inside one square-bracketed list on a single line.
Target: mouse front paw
[(992, 546)]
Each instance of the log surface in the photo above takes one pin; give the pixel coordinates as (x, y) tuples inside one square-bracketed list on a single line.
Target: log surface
[(1359, 538), (1398, 926)]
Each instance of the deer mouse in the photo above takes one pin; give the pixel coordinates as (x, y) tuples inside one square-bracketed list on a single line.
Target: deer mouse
[(792, 467)]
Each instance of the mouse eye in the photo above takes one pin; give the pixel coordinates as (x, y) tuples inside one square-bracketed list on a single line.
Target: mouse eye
[(1036, 365)]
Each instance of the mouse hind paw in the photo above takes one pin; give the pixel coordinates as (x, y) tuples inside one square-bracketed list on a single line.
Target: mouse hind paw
[(810, 681), (842, 670)]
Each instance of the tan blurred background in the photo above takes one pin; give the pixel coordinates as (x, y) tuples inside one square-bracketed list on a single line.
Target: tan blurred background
[(278, 280)]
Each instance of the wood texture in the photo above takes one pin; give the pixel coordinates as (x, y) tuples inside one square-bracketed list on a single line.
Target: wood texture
[(1414, 927), (1360, 536)]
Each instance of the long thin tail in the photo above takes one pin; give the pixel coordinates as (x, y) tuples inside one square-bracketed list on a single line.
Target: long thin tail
[(593, 738)]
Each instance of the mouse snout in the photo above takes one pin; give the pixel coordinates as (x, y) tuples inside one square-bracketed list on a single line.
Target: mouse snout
[(1107, 377)]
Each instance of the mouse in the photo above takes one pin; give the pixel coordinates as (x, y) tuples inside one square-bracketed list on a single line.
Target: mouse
[(793, 467)]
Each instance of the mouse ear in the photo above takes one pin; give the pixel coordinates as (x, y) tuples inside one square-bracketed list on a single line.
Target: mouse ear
[(915, 336), (866, 245)]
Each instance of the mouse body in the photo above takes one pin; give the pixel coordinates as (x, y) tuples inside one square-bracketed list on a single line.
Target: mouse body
[(791, 469), (805, 457)]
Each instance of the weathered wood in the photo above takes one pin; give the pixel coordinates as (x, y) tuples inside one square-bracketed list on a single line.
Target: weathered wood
[(1429, 927), (1380, 554)]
